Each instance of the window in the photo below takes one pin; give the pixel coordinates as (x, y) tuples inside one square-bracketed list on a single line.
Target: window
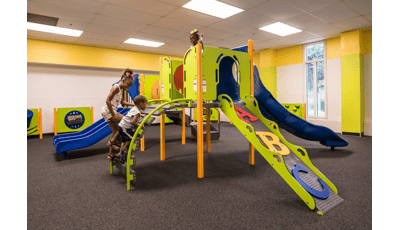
[(315, 62)]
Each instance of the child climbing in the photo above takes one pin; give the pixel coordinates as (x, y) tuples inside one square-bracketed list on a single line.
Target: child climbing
[(109, 110), (129, 124)]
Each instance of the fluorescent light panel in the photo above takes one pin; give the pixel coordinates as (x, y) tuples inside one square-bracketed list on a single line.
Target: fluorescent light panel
[(143, 42), (213, 8), (54, 29), (280, 29)]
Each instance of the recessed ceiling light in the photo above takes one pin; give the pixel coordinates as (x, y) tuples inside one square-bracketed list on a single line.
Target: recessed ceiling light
[(280, 29), (54, 29), (213, 8), (143, 42)]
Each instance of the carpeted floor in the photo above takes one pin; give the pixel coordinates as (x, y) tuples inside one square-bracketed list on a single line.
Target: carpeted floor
[(80, 192)]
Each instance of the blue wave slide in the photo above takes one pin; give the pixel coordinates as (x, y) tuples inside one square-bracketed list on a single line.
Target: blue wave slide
[(92, 134), (297, 126), (84, 138)]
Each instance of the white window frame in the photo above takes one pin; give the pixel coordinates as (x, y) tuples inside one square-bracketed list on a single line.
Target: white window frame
[(315, 80)]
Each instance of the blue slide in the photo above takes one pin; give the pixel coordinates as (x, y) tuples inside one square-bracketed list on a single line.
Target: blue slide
[(92, 134), (297, 126)]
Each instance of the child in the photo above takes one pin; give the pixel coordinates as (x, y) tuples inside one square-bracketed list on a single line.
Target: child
[(129, 123), (128, 72), (195, 38), (109, 110)]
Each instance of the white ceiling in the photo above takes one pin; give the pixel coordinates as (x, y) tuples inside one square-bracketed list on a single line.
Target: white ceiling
[(108, 23)]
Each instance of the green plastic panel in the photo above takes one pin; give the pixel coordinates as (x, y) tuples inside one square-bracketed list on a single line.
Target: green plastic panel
[(166, 89), (149, 81), (189, 74), (33, 128), (296, 109), (211, 58), (271, 157), (62, 112), (175, 93)]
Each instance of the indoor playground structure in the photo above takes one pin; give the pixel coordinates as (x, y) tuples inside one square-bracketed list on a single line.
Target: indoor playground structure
[(228, 80)]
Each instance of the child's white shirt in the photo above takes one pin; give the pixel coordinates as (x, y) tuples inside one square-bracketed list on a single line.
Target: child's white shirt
[(126, 121)]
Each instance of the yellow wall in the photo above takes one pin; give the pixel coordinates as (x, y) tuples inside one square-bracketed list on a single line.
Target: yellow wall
[(256, 59), (289, 55), (333, 47), (69, 54)]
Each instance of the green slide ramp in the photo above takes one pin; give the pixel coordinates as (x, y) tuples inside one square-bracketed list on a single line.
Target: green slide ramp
[(265, 136)]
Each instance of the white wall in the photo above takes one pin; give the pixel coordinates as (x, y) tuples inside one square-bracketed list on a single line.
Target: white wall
[(291, 89), (368, 94), (50, 87), (290, 84)]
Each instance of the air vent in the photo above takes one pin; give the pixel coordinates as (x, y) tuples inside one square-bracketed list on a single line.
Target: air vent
[(41, 19)]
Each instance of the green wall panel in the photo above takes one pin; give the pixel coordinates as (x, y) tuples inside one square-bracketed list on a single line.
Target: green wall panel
[(62, 112), (33, 128), (353, 99)]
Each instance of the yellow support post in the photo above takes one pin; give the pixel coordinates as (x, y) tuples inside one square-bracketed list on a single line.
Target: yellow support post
[(40, 124), (208, 127), (160, 82), (162, 137), (124, 98), (200, 158), (91, 111), (250, 50), (183, 126), (304, 111), (142, 93), (55, 121)]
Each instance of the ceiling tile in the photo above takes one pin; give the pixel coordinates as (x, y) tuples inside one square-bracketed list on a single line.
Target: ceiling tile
[(81, 5), (152, 37), (305, 21), (50, 37), (186, 15), (360, 6), (128, 14), (148, 6), (258, 46), (175, 2), (352, 24), (226, 43), (72, 24), (325, 31), (368, 17), (186, 41), (99, 29), (164, 32), (137, 48), (259, 35), (59, 12), (294, 39), (277, 10), (230, 27), (243, 4), (106, 37), (335, 12), (251, 19), (174, 49), (118, 23), (213, 33), (97, 42), (177, 25), (309, 5)]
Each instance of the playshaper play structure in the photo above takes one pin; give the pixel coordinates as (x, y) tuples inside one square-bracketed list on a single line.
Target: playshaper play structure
[(223, 78)]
